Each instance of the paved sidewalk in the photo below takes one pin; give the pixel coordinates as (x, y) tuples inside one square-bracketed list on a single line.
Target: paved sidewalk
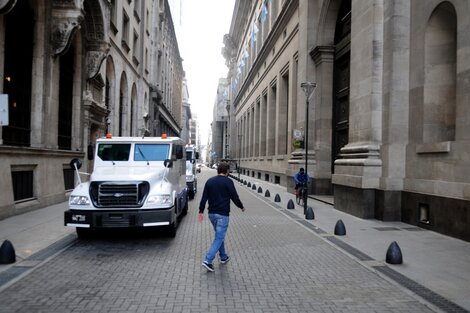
[(33, 231), (439, 263), (435, 261)]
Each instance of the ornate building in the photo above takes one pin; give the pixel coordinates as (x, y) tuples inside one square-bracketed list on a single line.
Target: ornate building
[(388, 121), (74, 70), (220, 132)]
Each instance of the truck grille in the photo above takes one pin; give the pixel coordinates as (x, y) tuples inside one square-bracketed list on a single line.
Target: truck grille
[(118, 194)]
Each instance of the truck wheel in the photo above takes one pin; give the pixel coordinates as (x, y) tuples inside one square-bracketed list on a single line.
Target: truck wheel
[(185, 208), (84, 233), (191, 195), (171, 230)]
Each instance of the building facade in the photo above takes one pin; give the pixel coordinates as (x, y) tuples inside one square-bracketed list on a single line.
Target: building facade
[(73, 71), (220, 131), (389, 118)]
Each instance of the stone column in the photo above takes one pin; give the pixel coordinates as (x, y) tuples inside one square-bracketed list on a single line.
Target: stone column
[(322, 101), (358, 172), (396, 108)]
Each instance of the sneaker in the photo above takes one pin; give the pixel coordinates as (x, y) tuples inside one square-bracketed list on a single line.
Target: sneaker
[(225, 260), (208, 266)]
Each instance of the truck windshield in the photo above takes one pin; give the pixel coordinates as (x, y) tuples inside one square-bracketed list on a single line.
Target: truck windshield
[(114, 152), (151, 152)]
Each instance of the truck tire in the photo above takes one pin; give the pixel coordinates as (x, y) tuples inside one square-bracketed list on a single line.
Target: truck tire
[(173, 227), (191, 195), (84, 233), (185, 208)]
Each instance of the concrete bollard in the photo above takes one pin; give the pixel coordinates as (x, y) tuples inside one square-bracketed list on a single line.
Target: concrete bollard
[(277, 198), (290, 204), (394, 255), (7, 253), (340, 229), (309, 215), (260, 190), (267, 194)]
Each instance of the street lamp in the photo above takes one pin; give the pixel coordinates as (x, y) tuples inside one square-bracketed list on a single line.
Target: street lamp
[(308, 88)]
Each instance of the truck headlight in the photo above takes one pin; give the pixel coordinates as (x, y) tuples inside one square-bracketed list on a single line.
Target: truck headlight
[(160, 199), (79, 200), (189, 177)]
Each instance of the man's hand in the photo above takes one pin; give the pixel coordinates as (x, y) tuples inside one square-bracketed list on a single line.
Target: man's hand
[(243, 209), (200, 217)]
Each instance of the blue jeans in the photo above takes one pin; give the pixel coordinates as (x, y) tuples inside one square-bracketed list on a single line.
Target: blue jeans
[(220, 224)]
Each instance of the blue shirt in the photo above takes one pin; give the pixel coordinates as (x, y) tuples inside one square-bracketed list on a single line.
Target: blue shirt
[(219, 190), (300, 178)]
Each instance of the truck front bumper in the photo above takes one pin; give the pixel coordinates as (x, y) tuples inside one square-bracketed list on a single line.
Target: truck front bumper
[(119, 219)]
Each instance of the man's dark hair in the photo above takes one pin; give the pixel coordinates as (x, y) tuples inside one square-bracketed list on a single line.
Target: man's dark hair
[(223, 168), (301, 169)]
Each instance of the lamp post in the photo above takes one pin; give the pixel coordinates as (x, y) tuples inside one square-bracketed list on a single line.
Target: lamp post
[(308, 88)]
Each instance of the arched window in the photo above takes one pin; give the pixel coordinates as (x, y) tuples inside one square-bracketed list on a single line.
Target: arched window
[(123, 96), (17, 76), (440, 77), (109, 95), (133, 112)]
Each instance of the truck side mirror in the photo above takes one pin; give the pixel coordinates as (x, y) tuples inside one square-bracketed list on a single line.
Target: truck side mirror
[(168, 163), (90, 152), (179, 152), (75, 163), (193, 161), (197, 155)]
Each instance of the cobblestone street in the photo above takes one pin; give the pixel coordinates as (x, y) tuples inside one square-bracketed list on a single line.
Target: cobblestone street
[(277, 265)]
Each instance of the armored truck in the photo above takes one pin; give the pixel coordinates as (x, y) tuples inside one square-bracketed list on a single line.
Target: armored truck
[(136, 182)]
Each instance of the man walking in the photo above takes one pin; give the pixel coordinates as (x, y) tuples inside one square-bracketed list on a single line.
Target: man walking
[(218, 190)]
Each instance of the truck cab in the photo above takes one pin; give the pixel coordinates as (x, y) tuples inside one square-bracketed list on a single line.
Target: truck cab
[(191, 170), (136, 182)]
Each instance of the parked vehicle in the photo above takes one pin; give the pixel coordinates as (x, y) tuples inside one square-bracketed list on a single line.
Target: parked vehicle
[(136, 182), (191, 178)]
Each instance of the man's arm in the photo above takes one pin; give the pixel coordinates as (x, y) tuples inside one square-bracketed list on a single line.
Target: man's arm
[(202, 204), (296, 178), (234, 195)]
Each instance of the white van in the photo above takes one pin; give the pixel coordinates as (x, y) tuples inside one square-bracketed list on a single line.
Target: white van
[(136, 182)]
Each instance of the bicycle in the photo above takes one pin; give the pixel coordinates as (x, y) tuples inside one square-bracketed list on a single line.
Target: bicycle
[(300, 195)]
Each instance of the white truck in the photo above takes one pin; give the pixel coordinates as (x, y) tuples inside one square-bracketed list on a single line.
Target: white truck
[(191, 170), (136, 182)]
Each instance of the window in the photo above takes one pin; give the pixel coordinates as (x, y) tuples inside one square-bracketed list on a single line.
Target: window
[(135, 49), (22, 184), (151, 152), (114, 152), (147, 23), (125, 31), (113, 17), (440, 75), (146, 61), (137, 10)]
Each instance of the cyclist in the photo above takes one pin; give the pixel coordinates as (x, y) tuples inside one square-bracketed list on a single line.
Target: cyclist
[(301, 179)]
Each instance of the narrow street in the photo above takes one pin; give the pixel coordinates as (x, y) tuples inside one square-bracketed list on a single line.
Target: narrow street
[(277, 265)]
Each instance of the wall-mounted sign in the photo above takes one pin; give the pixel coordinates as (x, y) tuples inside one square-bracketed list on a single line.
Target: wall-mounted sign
[(298, 134)]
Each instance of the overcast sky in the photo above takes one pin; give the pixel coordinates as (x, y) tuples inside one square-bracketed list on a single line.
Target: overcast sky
[(201, 29)]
